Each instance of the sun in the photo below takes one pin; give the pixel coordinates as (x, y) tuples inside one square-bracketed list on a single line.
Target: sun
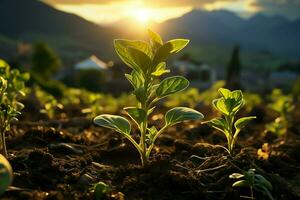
[(143, 16)]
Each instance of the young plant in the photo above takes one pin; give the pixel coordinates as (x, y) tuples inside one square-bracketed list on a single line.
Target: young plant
[(229, 104), (6, 174), (100, 189), (51, 105), (12, 85), (283, 105), (254, 181), (148, 63)]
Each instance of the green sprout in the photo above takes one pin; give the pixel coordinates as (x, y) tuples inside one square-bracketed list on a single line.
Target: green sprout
[(255, 182), (229, 104), (148, 63), (50, 104), (6, 174), (283, 105), (12, 85), (100, 189)]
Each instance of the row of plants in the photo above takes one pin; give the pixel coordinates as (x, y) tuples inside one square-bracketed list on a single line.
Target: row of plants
[(148, 63), (12, 88)]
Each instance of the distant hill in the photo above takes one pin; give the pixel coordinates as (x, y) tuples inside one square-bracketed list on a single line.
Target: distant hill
[(214, 32), (260, 33), (32, 20)]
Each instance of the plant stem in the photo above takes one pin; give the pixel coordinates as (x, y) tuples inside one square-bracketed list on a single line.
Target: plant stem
[(155, 137), (251, 191), (143, 143), (3, 144), (144, 159), (230, 120), (144, 127)]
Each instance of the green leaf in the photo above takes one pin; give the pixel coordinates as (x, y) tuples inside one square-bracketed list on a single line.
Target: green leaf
[(180, 114), (135, 78), (122, 46), (121, 49), (223, 106), (140, 59), (236, 176), (262, 181), (100, 189), (237, 95), (241, 183), (140, 94), (242, 122), (171, 85), (169, 48), (228, 105), (160, 69), (137, 115), (230, 102), (25, 76), (219, 124), (155, 39), (151, 134), (6, 174), (115, 122), (225, 92), (150, 110)]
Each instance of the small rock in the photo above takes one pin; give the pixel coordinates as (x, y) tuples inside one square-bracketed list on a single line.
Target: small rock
[(66, 148), (181, 145), (86, 179)]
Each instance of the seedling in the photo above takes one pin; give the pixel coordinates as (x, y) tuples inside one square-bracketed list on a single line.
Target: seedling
[(6, 174), (229, 104), (283, 105), (50, 104), (100, 189), (148, 63), (11, 88), (255, 182)]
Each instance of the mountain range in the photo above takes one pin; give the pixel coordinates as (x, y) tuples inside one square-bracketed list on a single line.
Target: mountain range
[(75, 37), (261, 33)]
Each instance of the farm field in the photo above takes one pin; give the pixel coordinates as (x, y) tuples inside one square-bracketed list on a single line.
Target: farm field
[(62, 159), (149, 100)]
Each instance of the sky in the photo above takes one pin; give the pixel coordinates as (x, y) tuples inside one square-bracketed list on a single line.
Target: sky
[(144, 11)]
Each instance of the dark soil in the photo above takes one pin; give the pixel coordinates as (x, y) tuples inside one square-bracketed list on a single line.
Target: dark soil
[(63, 159)]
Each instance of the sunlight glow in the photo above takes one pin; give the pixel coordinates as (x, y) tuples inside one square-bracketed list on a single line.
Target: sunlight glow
[(143, 16), (111, 13), (245, 6), (144, 12)]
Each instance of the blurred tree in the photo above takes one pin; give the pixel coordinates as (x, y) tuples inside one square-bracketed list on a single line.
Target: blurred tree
[(296, 90), (233, 70), (45, 62), (90, 79)]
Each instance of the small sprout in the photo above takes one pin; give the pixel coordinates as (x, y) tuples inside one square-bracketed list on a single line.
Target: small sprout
[(264, 152), (100, 189), (6, 174), (254, 181), (148, 62), (12, 85), (229, 104), (283, 105)]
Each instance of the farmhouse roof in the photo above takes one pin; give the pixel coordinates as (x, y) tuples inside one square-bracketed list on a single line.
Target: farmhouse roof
[(92, 63)]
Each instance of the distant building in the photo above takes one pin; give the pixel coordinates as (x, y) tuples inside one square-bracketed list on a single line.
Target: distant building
[(283, 79), (200, 75), (92, 63)]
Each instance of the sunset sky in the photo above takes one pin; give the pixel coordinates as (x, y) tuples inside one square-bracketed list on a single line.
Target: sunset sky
[(143, 11)]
